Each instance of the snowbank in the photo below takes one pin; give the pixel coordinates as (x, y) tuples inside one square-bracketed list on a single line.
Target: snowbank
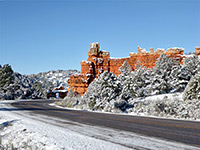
[(16, 135)]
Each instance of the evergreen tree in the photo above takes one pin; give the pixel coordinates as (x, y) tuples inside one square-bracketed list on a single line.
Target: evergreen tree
[(192, 91), (192, 64), (125, 68), (136, 83), (6, 75), (163, 74), (102, 90), (180, 79)]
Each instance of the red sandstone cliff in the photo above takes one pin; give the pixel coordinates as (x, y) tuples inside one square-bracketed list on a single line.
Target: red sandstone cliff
[(197, 50), (100, 61)]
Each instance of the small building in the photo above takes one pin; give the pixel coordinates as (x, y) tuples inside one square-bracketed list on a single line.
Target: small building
[(59, 92)]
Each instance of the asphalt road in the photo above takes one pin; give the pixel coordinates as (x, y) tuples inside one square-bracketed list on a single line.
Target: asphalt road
[(187, 132)]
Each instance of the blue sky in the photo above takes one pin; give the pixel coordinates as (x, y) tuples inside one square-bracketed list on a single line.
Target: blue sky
[(45, 35)]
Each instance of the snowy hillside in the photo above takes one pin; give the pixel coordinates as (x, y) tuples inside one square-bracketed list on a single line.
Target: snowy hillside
[(14, 85), (57, 78)]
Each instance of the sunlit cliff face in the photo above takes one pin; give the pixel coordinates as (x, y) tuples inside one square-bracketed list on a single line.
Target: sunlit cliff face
[(99, 61)]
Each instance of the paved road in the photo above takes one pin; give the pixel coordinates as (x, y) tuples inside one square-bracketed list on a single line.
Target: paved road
[(187, 132)]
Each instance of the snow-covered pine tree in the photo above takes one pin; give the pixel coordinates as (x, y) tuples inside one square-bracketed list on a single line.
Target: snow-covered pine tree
[(6, 75), (181, 74), (101, 91), (125, 80), (125, 69), (141, 79), (192, 64), (162, 81), (37, 90), (136, 84), (180, 78), (192, 91)]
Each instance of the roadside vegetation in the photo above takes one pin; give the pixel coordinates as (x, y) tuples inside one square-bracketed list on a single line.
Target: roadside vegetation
[(167, 90)]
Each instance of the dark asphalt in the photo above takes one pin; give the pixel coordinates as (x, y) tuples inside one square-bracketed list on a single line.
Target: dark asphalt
[(187, 132)]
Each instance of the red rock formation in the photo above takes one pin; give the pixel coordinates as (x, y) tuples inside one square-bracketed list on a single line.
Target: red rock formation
[(100, 61), (197, 50), (80, 82)]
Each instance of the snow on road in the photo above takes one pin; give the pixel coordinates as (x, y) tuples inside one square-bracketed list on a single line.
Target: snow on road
[(24, 130)]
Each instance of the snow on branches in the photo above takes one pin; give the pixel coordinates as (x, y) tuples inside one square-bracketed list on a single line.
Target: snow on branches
[(130, 91)]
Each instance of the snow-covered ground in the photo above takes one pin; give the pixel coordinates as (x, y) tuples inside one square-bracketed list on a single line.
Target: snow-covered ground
[(25, 130)]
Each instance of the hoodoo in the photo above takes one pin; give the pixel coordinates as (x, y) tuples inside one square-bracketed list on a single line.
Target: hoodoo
[(99, 61)]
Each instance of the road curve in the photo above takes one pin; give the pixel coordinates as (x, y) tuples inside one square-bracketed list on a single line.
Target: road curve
[(187, 132)]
